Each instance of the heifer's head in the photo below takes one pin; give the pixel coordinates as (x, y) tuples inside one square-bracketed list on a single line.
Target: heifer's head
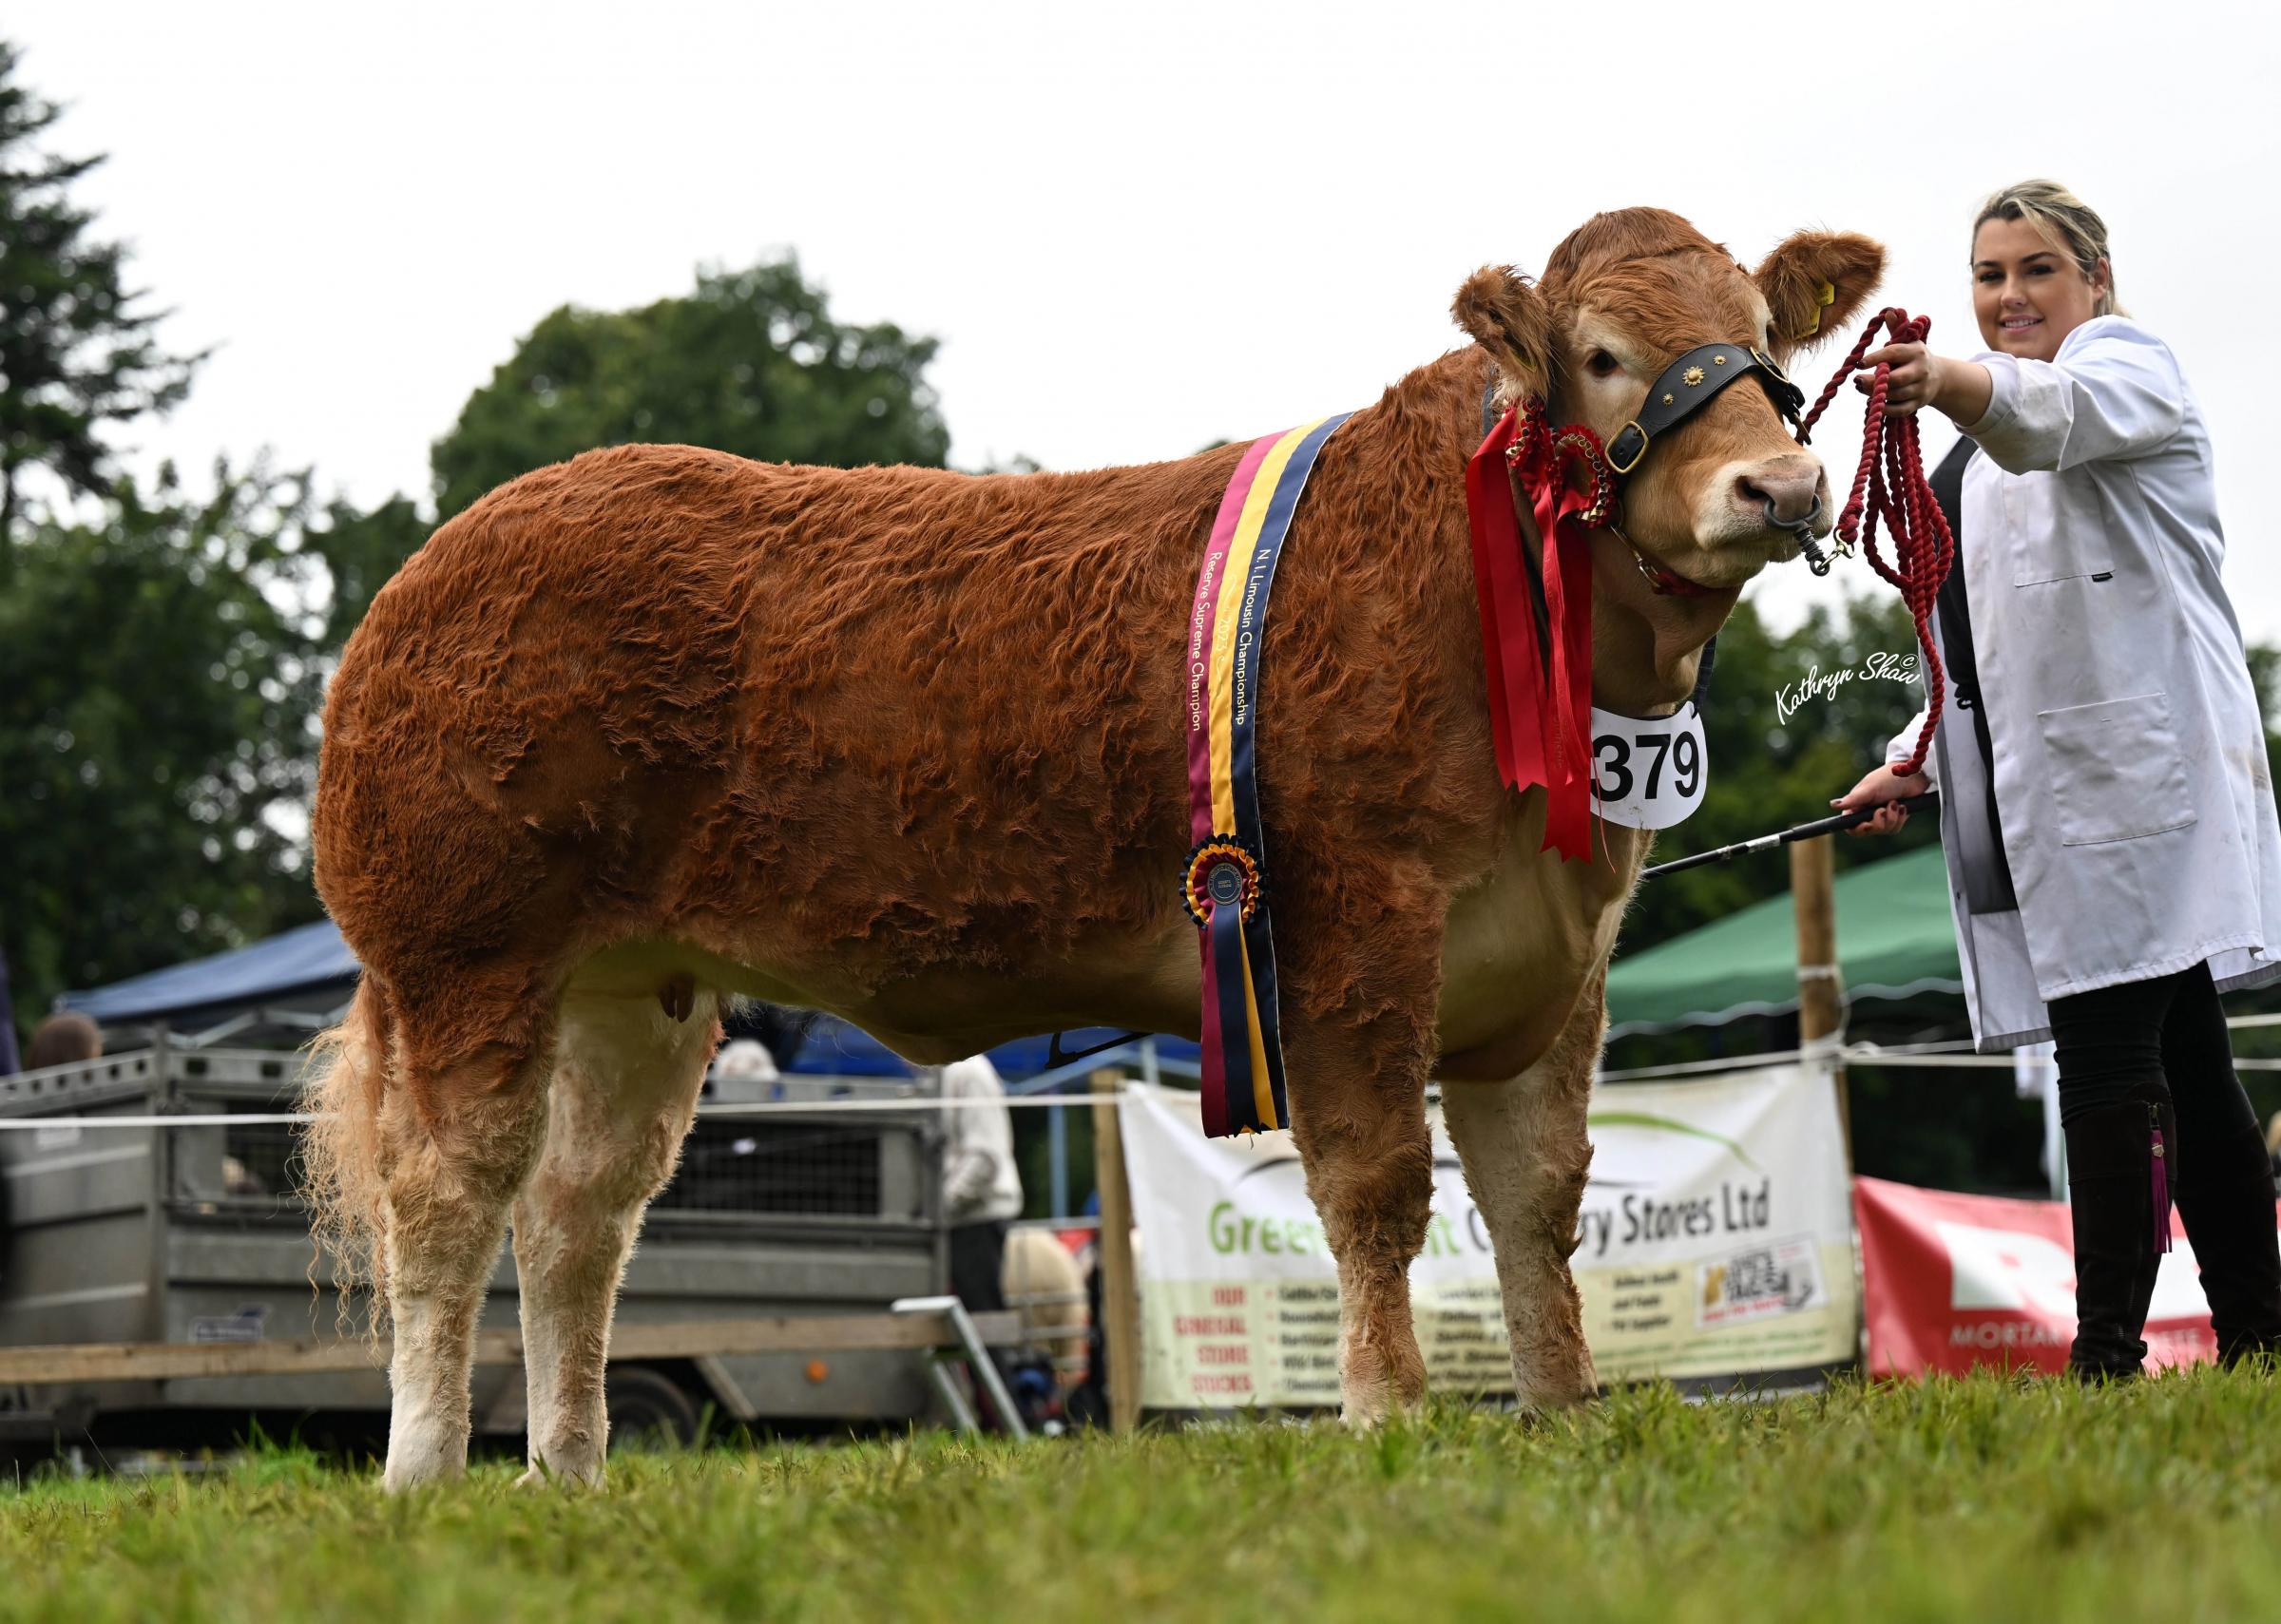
[(1716, 496)]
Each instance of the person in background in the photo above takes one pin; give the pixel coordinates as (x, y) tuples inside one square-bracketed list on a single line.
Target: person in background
[(745, 1059), (982, 1189), (2114, 856), (62, 1038)]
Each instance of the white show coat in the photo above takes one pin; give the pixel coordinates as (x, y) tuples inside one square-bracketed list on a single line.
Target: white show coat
[(979, 1181), (2130, 771)]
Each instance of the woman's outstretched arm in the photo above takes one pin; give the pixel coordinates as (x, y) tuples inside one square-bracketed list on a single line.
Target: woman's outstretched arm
[(2118, 396)]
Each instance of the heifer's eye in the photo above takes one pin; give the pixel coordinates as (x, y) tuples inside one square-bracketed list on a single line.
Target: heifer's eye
[(1603, 364)]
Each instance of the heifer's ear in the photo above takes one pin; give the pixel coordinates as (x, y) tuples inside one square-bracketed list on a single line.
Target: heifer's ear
[(1815, 281), (1508, 317)]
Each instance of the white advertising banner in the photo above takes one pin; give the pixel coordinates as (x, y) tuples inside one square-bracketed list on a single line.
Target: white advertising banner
[(1716, 1238)]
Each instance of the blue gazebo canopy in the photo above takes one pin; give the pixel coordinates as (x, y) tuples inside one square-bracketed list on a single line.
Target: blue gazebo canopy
[(303, 963)]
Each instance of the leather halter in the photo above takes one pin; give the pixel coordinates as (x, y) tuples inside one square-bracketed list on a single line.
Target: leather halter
[(1683, 389), (1691, 382)]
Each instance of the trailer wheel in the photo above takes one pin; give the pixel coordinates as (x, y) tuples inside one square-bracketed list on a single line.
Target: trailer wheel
[(647, 1409)]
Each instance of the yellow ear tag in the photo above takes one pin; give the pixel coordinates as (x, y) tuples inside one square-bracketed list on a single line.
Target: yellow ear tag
[(1825, 298)]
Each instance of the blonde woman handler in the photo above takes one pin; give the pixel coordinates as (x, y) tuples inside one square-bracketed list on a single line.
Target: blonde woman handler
[(2107, 812)]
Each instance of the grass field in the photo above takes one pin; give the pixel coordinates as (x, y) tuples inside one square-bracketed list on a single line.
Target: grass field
[(1970, 1500)]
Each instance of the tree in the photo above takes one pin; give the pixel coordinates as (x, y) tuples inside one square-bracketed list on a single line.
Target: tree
[(74, 355), (1768, 769), (751, 362), (362, 550), (2265, 673), (159, 689)]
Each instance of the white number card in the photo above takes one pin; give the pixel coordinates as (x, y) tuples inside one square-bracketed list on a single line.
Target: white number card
[(1649, 772)]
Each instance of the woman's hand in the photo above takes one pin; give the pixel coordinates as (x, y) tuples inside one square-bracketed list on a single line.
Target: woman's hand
[(1880, 789), (1915, 381)]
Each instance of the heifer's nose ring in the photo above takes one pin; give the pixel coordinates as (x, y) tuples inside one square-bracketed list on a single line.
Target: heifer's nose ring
[(1816, 560)]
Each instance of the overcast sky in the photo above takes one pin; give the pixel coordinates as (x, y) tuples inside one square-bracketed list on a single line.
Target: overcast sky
[(1135, 229)]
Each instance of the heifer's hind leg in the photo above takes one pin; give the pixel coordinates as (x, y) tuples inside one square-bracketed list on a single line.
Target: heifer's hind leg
[(1527, 1157), (457, 1138), (625, 1083)]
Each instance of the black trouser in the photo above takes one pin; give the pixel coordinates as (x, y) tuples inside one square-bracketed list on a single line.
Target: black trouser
[(2144, 1065), (2159, 1039), (977, 1265), (977, 1279)]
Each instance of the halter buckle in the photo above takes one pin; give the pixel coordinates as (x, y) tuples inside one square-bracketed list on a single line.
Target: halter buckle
[(1614, 466)]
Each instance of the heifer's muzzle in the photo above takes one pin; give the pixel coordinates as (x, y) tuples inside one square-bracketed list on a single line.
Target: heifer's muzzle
[(1691, 382)]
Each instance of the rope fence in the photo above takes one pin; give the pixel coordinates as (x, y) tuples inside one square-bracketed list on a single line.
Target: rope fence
[(1950, 1053)]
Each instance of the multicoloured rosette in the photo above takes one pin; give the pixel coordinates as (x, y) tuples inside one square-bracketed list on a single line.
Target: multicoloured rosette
[(1221, 873)]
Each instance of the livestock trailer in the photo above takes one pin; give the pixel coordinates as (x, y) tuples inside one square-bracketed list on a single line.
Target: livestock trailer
[(182, 1224)]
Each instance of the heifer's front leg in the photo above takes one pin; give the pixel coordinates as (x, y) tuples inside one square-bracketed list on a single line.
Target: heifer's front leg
[(1527, 1157), (1358, 1113), (1370, 1172)]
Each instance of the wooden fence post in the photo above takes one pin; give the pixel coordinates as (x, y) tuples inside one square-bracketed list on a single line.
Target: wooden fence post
[(1119, 1296), (1821, 986)]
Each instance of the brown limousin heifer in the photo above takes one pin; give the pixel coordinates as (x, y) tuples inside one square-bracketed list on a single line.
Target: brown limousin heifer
[(659, 727)]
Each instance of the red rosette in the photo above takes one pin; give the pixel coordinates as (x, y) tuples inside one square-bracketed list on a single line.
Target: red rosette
[(1540, 452)]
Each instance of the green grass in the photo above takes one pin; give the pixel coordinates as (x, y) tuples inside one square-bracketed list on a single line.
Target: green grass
[(1951, 1500)]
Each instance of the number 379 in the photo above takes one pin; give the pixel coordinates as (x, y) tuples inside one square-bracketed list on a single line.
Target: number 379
[(1616, 758)]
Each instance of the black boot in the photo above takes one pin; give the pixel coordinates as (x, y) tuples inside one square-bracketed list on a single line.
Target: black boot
[(2117, 1158), (2226, 1197)]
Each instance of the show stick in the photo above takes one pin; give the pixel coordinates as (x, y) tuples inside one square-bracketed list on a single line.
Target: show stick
[(1783, 837)]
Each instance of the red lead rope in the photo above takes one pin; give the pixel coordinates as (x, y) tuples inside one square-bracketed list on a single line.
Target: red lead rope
[(1890, 484)]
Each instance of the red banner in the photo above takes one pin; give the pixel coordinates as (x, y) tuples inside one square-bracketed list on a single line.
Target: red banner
[(1951, 1282)]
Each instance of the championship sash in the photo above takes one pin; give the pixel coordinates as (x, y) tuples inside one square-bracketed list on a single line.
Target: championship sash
[(1224, 886)]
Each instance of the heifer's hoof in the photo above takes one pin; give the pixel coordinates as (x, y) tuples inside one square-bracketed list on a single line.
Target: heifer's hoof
[(399, 1480), (541, 1476), (1535, 1403), (1363, 1415), (1532, 1418), (1368, 1410), (414, 1461), (1378, 1377)]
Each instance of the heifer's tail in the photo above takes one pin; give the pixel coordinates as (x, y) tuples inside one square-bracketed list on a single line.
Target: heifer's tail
[(340, 1153)]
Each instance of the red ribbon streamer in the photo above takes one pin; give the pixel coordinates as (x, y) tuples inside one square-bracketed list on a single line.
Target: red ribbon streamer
[(1540, 700)]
